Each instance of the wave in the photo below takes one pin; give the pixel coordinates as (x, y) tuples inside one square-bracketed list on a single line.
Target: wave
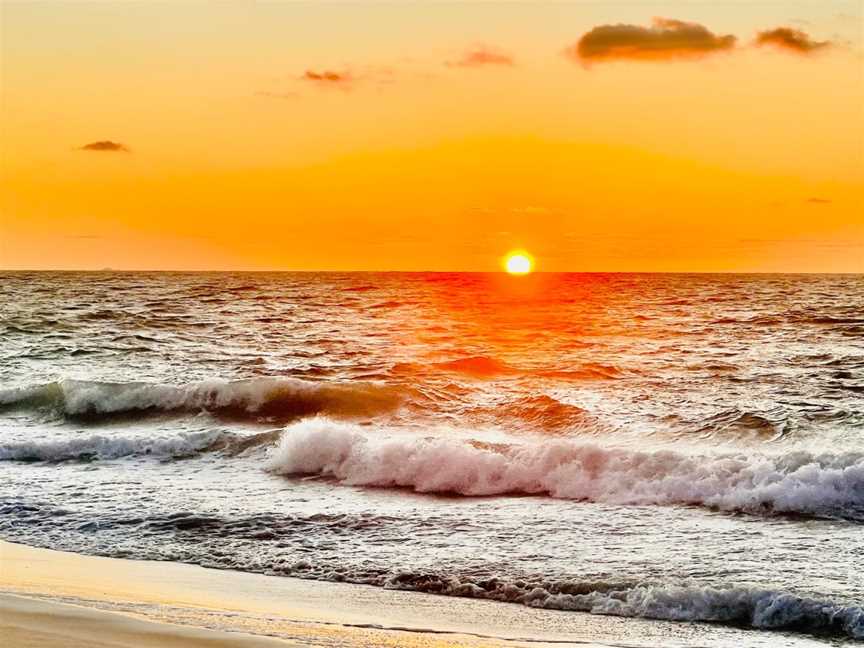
[(791, 318), (97, 447), (542, 413), (768, 425), (801, 483), (280, 399), (750, 607)]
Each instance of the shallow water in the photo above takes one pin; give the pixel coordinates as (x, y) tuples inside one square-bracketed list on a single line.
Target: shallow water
[(685, 447)]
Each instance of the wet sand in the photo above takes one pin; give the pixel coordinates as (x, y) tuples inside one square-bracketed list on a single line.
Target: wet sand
[(28, 622), (52, 598)]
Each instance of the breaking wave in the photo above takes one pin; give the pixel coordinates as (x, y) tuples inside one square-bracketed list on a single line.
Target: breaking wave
[(94, 447), (98, 447), (798, 482), (282, 399), (761, 609)]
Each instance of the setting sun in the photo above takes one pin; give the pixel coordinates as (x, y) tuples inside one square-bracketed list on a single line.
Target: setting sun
[(519, 263)]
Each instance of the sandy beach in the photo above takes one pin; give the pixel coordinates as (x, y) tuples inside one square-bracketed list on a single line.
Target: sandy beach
[(92, 601), (46, 596), (33, 622)]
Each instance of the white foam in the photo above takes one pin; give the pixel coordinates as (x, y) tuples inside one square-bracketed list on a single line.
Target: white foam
[(745, 606), (756, 608), (97, 446), (796, 482)]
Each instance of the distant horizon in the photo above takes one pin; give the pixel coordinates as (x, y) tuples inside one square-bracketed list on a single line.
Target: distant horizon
[(478, 272)]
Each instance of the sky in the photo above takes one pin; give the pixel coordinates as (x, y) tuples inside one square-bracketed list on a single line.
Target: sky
[(599, 136)]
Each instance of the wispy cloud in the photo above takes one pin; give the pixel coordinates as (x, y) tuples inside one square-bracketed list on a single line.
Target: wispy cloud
[(819, 201), (327, 77), (106, 146), (793, 40), (665, 40), (482, 56), (348, 78)]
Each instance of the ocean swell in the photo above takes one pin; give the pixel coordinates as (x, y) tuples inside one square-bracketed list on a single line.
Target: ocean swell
[(798, 482), (282, 399)]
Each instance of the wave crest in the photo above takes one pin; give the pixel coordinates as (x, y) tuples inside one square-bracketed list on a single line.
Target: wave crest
[(99, 447), (826, 485), (260, 398)]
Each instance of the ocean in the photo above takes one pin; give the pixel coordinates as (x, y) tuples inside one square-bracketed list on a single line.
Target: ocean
[(684, 447)]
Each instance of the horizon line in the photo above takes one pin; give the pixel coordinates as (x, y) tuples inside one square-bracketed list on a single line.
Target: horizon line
[(478, 272)]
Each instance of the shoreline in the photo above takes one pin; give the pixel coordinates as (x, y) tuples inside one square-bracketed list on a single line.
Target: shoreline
[(65, 590), (46, 593)]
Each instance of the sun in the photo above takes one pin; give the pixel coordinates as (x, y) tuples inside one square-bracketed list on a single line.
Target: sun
[(518, 262)]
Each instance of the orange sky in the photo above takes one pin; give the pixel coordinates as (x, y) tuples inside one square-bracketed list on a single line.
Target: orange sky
[(410, 136)]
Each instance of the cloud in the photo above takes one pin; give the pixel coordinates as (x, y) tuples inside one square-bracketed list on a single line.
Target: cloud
[(327, 77), (819, 201), (347, 78), (793, 40), (105, 146), (481, 56), (664, 40)]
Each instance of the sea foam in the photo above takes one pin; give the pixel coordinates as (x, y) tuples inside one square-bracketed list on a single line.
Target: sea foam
[(798, 482), (101, 447), (751, 607)]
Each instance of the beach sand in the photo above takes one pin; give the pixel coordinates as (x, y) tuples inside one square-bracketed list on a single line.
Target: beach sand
[(53, 598), (27, 622)]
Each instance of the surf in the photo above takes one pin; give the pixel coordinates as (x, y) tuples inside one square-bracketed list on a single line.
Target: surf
[(795, 482)]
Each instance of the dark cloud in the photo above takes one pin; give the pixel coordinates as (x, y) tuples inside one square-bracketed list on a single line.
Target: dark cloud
[(819, 201), (793, 40), (105, 146), (482, 56), (664, 40)]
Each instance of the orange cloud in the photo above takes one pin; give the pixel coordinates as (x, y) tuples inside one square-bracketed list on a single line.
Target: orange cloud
[(664, 40), (327, 77), (794, 40), (481, 56), (105, 146)]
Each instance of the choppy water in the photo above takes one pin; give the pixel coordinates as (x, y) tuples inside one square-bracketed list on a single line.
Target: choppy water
[(686, 447)]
